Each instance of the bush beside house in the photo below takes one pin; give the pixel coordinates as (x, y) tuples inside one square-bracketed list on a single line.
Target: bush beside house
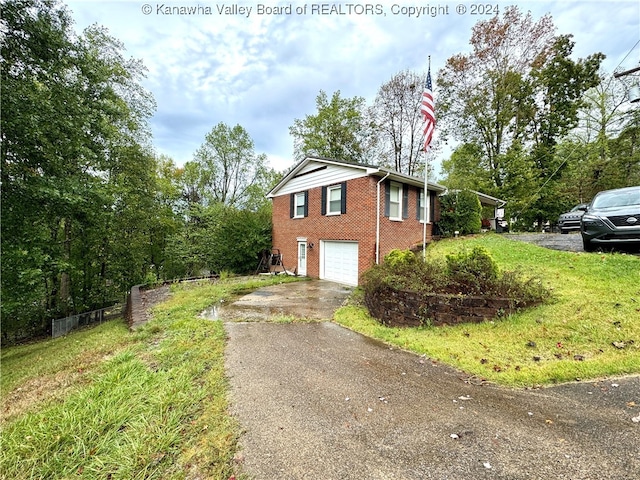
[(461, 211)]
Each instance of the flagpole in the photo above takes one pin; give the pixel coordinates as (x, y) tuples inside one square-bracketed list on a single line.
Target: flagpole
[(426, 205)]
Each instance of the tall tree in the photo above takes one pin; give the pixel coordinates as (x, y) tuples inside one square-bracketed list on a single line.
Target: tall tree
[(226, 219), (73, 115), (516, 96), (339, 130), (560, 84), (229, 167), (464, 171), (399, 124), (606, 122), (485, 96)]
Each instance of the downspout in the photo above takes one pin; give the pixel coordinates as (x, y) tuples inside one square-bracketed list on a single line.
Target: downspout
[(378, 219)]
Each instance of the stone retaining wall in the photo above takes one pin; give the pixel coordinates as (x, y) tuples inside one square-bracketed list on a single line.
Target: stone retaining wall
[(136, 308), (134, 311), (397, 308)]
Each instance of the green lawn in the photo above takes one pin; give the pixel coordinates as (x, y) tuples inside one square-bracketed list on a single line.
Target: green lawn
[(595, 302), (105, 403)]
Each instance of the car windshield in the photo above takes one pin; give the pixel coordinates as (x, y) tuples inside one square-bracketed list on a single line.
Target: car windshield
[(617, 199)]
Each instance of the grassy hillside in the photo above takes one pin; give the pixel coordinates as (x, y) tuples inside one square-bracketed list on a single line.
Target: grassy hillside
[(595, 303), (106, 403)]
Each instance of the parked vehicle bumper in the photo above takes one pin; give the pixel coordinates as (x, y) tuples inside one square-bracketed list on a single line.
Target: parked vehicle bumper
[(601, 231), (572, 224)]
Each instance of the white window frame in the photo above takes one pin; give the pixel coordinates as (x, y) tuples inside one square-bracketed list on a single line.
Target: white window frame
[(331, 189), (298, 201), (421, 205), (395, 186)]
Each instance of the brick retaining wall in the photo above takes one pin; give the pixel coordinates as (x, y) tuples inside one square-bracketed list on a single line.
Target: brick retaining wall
[(134, 312), (397, 308)]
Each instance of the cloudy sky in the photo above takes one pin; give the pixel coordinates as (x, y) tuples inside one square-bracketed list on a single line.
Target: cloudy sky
[(263, 68)]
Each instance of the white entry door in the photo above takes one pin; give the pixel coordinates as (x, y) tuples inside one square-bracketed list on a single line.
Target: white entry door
[(339, 262), (302, 258)]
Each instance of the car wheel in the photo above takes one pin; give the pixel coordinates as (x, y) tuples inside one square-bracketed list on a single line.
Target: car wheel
[(587, 245)]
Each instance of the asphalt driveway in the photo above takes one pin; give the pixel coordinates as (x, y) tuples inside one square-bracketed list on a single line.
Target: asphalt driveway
[(317, 401), (571, 242)]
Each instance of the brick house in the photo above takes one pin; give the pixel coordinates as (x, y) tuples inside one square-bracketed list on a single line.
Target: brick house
[(333, 220)]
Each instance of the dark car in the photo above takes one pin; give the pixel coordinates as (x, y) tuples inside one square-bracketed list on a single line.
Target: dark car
[(612, 219), (571, 220)]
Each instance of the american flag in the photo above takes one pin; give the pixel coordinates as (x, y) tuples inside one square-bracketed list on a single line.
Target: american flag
[(427, 109)]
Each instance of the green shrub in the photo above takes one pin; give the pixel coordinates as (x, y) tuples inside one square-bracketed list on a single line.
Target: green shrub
[(460, 211), (397, 258), (464, 273), (475, 270), (401, 269)]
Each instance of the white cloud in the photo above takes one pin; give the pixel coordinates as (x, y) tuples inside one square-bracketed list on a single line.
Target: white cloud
[(264, 71)]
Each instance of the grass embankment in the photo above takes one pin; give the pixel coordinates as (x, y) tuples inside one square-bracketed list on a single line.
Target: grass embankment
[(595, 302), (108, 403)]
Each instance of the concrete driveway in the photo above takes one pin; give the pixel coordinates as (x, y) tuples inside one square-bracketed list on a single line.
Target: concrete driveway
[(310, 300), (317, 401)]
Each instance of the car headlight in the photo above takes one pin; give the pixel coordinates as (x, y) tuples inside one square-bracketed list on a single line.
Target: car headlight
[(591, 221)]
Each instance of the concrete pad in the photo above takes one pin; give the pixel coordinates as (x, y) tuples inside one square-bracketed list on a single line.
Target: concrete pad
[(312, 300)]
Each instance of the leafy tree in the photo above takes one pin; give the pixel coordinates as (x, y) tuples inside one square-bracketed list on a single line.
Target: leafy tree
[(625, 151), (220, 197), (465, 169), (602, 152), (561, 83), (339, 130), (485, 98), (461, 211), (73, 118), (239, 236), (228, 169), (517, 95)]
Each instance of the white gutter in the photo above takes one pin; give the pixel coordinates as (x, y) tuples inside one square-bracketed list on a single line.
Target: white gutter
[(378, 219)]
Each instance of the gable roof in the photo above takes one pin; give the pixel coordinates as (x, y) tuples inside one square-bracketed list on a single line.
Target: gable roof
[(354, 170)]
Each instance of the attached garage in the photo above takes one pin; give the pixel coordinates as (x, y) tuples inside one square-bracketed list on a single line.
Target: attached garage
[(339, 261)]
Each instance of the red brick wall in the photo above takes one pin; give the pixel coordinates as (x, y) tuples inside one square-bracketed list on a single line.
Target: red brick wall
[(402, 234), (357, 224)]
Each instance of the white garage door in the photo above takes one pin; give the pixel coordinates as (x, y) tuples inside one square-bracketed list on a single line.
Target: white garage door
[(340, 262)]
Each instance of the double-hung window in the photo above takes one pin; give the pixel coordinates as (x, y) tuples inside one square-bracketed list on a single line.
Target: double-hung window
[(334, 199), (395, 201), (431, 206), (299, 205), (421, 205)]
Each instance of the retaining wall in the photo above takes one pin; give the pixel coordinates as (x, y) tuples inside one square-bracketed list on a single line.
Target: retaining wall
[(398, 308), (134, 312)]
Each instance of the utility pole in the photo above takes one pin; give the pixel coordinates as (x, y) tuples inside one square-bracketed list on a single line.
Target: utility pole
[(634, 90)]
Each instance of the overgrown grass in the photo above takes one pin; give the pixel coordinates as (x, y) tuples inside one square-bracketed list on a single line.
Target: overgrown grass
[(149, 404), (596, 302)]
